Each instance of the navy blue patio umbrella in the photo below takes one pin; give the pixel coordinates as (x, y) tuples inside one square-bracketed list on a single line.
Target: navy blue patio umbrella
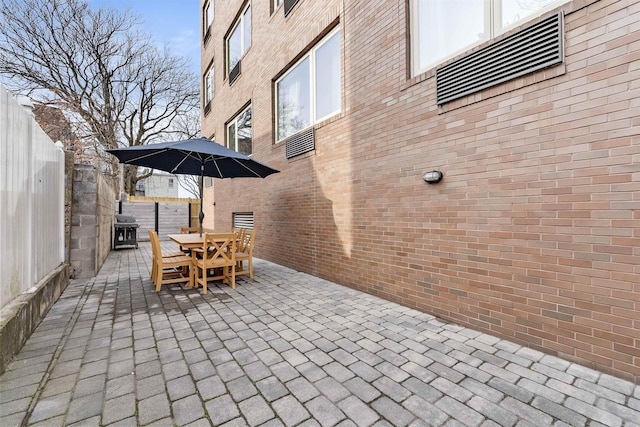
[(199, 156)]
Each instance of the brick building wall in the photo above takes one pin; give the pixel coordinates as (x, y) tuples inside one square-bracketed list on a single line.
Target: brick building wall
[(534, 233)]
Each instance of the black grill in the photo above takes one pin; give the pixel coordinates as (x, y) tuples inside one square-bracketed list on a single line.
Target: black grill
[(234, 73), (125, 232)]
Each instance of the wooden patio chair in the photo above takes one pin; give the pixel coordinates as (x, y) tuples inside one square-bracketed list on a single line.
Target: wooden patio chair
[(188, 230), (152, 235), (169, 268), (245, 254), (218, 254)]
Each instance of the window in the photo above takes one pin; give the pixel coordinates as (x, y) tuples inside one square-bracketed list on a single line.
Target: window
[(276, 3), (311, 91), (443, 28), (240, 39), (208, 88), (239, 133), (207, 20), (170, 182)]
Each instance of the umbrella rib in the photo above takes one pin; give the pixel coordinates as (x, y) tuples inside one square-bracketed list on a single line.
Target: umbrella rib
[(164, 150), (247, 168), (215, 163), (144, 156), (215, 159), (187, 154)]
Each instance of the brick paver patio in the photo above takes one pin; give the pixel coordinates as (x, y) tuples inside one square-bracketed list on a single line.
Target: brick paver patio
[(286, 349)]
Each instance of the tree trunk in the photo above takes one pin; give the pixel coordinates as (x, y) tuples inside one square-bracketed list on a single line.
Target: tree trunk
[(130, 180)]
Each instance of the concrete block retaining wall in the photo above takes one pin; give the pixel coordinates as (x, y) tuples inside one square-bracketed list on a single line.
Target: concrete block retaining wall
[(92, 219), (23, 314)]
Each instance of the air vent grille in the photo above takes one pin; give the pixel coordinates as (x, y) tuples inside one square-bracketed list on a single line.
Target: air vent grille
[(531, 49), (234, 73), (243, 220), (288, 5), (300, 143)]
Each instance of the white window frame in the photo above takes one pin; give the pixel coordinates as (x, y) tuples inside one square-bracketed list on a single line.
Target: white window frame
[(209, 85), (492, 23), (207, 17), (312, 84), (234, 146), (276, 4), (240, 22)]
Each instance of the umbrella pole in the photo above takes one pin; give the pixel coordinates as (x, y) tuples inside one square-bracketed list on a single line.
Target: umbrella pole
[(201, 197)]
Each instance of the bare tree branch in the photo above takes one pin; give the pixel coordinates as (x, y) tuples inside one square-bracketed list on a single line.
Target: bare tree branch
[(96, 64), (191, 184)]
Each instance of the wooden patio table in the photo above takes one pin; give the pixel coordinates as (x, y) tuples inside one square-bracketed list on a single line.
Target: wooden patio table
[(189, 241)]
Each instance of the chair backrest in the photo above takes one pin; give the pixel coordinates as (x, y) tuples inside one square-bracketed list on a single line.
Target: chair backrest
[(248, 242), (220, 248), (189, 230), (241, 234), (155, 244)]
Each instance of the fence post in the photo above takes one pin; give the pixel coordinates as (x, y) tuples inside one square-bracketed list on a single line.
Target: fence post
[(156, 215)]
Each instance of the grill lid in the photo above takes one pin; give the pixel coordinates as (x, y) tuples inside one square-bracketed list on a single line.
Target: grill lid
[(125, 218)]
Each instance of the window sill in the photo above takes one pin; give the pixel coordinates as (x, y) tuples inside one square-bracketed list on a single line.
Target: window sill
[(330, 120), (316, 126)]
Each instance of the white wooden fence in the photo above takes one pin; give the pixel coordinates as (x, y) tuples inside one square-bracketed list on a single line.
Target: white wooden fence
[(31, 201)]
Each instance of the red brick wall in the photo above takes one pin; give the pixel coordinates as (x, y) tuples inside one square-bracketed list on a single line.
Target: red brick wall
[(534, 233)]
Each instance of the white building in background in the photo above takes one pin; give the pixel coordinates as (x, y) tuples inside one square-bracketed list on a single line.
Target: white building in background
[(160, 184)]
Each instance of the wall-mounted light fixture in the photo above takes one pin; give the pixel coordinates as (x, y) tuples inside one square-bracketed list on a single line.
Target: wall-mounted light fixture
[(432, 177)]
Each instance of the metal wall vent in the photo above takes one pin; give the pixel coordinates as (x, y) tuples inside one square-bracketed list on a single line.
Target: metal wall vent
[(288, 5), (300, 143), (531, 49), (234, 73), (243, 220)]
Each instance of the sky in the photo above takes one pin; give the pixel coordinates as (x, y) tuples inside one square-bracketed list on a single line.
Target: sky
[(175, 23)]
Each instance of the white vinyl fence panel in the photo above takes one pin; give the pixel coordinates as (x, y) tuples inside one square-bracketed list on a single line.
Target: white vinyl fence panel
[(31, 201)]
